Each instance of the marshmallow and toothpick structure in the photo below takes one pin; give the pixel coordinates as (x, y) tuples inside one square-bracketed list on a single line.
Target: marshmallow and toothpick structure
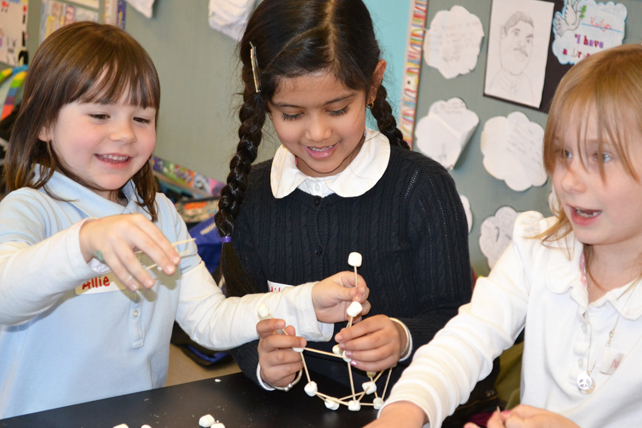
[(333, 403)]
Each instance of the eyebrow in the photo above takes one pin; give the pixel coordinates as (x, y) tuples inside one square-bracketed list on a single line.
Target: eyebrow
[(336, 100)]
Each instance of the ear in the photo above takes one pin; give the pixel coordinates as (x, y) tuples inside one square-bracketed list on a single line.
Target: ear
[(45, 134), (377, 78)]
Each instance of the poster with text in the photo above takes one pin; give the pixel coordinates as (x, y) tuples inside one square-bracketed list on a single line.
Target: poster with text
[(13, 30), (57, 14)]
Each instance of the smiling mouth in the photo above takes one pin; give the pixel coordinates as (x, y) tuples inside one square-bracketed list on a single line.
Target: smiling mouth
[(113, 158), (321, 149), (587, 213)]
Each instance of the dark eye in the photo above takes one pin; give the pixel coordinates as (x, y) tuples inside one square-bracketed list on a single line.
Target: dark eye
[(100, 116), (339, 112), (291, 116), (142, 120)]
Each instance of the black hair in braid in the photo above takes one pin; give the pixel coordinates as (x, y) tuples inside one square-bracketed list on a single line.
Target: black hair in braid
[(386, 122), (294, 38)]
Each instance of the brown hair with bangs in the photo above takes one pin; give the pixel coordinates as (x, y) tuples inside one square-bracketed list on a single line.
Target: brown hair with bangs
[(88, 63), (606, 86)]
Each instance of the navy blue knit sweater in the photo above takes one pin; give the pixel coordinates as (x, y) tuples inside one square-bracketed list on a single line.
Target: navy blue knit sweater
[(410, 229)]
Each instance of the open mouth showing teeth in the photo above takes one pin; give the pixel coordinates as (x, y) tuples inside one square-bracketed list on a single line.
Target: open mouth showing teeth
[(112, 158), (587, 213), (321, 149)]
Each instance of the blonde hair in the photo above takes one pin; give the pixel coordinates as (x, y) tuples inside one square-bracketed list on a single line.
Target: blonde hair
[(606, 86)]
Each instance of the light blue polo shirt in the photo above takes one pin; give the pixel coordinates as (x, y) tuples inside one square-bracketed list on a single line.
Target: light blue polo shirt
[(92, 343)]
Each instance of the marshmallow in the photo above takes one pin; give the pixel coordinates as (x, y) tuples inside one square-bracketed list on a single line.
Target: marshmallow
[(337, 350), (378, 403), (354, 259), (331, 404), (369, 387), (355, 309), (206, 421), (354, 406), (299, 350), (264, 312), (371, 374), (311, 389)]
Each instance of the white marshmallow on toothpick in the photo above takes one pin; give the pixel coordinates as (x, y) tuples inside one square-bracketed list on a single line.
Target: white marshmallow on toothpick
[(336, 350), (378, 403), (331, 404), (264, 312), (371, 374), (355, 309), (354, 406), (369, 387), (354, 259), (299, 350), (311, 389), (206, 421)]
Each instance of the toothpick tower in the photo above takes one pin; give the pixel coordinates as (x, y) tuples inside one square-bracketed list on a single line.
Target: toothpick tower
[(353, 401)]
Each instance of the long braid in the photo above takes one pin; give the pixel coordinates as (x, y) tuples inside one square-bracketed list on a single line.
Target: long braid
[(386, 122), (252, 115)]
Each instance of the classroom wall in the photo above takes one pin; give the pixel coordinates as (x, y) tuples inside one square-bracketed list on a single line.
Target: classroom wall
[(197, 68), (487, 194)]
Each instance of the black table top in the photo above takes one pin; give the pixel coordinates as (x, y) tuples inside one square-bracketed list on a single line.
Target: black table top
[(233, 400)]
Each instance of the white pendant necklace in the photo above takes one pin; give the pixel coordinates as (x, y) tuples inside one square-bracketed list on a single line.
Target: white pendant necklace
[(585, 382)]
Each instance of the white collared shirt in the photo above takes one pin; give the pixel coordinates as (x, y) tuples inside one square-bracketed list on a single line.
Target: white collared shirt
[(365, 170)]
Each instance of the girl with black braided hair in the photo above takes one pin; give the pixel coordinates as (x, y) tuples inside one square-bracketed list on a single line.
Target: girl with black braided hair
[(335, 187)]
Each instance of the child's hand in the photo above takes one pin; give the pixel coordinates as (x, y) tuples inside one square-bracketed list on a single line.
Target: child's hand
[(279, 363), (332, 296), (113, 240), (524, 416), (402, 414), (374, 344)]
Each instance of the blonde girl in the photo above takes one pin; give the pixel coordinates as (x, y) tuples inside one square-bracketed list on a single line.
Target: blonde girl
[(570, 281)]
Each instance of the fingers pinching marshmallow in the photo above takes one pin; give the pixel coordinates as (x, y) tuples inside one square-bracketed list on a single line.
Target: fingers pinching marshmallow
[(336, 349), (369, 387), (378, 403), (355, 309), (311, 389), (354, 406), (354, 259), (331, 404)]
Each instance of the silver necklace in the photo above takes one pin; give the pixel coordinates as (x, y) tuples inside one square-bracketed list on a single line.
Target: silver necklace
[(585, 382)]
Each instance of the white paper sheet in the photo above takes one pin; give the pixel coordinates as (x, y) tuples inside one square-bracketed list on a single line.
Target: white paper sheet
[(584, 28), (518, 50), (469, 214), (445, 131), (496, 234), (143, 6), (230, 16), (453, 41), (513, 149)]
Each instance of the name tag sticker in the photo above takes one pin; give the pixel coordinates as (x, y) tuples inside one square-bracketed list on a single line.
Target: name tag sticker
[(100, 284), (275, 286), (610, 360)]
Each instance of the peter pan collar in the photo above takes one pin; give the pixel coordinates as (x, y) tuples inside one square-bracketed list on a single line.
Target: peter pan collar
[(87, 201), (365, 170)]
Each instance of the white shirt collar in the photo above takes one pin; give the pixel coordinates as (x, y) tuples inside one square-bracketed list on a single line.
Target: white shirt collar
[(365, 170)]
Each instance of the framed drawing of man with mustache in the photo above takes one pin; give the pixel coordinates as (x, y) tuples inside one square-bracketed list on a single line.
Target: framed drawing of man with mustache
[(517, 50)]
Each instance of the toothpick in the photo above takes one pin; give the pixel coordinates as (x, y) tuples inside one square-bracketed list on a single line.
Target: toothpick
[(323, 352), (156, 264), (173, 244)]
